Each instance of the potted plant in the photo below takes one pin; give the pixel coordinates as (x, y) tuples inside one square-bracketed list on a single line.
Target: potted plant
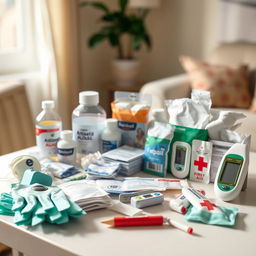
[(126, 31)]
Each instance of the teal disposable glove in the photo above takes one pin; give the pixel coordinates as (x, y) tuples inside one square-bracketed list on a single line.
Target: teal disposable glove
[(6, 204), (36, 203)]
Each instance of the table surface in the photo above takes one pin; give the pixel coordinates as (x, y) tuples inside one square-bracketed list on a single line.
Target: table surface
[(88, 236)]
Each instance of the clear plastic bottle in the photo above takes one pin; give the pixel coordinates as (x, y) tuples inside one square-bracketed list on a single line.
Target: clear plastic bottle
[(88, 122), (66, 148), (48, 128), (111, 136)]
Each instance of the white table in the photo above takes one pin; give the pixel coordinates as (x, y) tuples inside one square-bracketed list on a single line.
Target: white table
[(88, 236)]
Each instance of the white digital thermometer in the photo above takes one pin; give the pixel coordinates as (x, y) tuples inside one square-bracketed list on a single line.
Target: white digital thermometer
[(231, 173), (181, 152)]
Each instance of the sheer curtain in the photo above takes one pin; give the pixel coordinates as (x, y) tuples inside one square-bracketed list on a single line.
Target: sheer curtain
[(237, 20), (57, 41)]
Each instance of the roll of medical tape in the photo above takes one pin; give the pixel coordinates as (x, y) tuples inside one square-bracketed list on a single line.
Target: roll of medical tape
[(21, 163)]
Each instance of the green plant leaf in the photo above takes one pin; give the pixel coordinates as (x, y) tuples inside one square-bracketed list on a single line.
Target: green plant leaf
[(95, 39), (136, 43), (147, 40), (97, 5), (113, 39), (123, 5)]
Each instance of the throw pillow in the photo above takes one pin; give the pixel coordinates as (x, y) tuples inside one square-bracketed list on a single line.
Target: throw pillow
[(229, 87)]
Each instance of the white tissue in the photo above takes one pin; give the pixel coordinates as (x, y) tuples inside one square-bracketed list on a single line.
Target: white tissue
[(194, 112), (221, 121)]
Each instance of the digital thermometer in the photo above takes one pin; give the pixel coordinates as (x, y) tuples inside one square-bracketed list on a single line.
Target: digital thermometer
[(147, 200), (181, 152), (231, 173)]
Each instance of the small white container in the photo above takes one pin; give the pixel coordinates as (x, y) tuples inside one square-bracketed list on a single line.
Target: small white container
[(111, 136), (66, 148)]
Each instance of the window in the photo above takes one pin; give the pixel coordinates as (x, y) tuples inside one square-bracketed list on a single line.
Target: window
[(17, 41)]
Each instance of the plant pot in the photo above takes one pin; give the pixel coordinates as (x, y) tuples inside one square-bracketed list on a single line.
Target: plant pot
[(125, 72)]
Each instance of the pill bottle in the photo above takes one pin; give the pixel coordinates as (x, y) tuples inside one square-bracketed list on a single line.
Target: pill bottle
[(88, 122), (111, 136), (66, 147), (48, 128)]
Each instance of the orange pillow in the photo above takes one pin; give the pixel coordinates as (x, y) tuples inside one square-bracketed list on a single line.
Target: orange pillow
[(229, 87)]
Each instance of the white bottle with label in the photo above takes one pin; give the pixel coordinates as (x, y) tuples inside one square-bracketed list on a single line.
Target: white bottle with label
[(88, 122), (111, 136), (66, 148), (48, 128)]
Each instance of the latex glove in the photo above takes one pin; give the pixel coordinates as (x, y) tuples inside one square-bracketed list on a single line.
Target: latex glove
[(6, 204), (36, 203), (25, 198)]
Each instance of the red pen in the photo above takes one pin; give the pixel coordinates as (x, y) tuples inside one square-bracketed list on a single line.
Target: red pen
[(121, 221)]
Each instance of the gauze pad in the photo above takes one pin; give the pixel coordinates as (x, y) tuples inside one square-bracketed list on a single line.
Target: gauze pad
[(157, 147), (194, 112)]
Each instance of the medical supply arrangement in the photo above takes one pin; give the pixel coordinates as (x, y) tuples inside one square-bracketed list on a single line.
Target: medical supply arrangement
[(88, 168)]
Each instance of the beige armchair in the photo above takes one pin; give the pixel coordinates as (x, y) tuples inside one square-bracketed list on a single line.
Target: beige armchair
[(231, 54)]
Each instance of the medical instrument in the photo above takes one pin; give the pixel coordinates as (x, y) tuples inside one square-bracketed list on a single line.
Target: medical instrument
[(31, 176), (146, 200), (48, 127), (231, 173), (121, 221), (180, 164), (66, 148), (199, 201), (21, 163), (126, 197)]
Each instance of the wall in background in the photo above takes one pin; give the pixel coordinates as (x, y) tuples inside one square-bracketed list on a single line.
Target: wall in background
[(177, 27)]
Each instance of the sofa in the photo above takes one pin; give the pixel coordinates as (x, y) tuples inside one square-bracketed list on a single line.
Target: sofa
[(178, 86)]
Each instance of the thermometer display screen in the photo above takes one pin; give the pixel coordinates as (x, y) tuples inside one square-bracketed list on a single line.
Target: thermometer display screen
[(180, 156), (230, 173)]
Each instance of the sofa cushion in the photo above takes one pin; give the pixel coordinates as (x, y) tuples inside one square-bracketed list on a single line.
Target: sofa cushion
[(228, 86)]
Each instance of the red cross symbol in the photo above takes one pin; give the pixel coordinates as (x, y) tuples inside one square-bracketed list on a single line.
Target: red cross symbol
[(200, 163), (208, 204)]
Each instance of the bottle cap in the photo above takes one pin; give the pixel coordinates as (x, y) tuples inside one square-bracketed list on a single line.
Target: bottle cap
[(66, 135), (47, 104), (89, 98), (111, 123)]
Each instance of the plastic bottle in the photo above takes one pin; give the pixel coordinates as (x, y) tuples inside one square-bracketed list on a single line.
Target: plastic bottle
[(88, 122), (66, 147), (111, 136), (48, 127)]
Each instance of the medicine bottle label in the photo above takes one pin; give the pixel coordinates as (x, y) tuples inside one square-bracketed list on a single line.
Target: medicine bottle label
[(47, 137), (108, 145), (86, 132), (66, 155)]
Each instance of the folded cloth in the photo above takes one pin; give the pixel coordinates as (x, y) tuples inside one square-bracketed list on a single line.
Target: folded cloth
[(225, 218)]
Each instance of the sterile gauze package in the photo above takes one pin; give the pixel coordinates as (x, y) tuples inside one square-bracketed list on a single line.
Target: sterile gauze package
[(157, 147), (201, 161), (132, 111)]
